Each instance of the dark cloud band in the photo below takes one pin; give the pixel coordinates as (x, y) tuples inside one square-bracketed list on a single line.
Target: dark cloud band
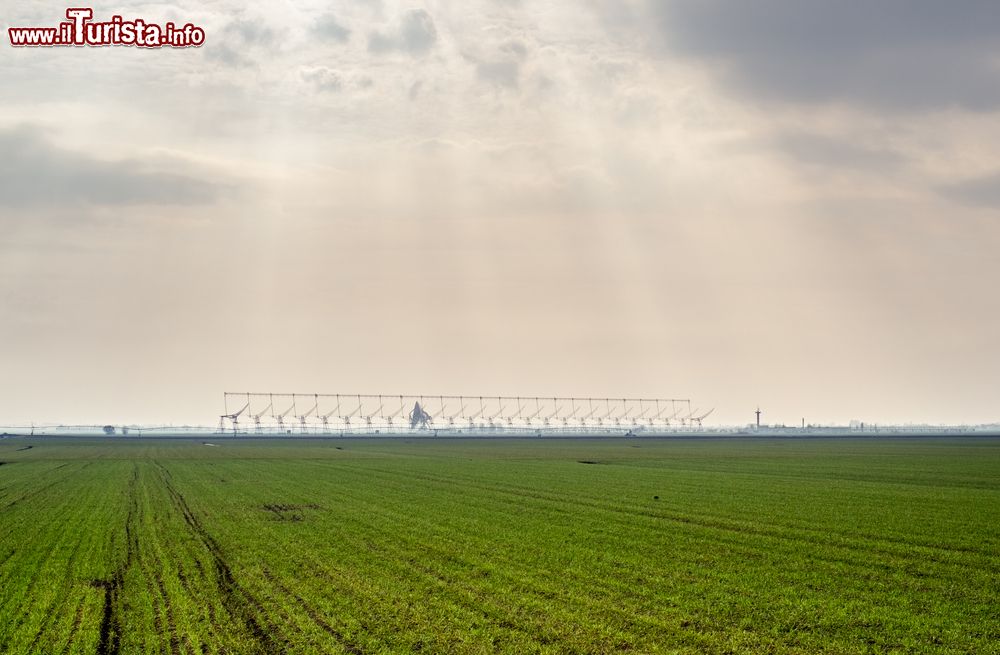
[(901, 54), (36, 173)]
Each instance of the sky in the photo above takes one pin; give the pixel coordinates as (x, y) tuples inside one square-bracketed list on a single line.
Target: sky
[(788, 203)]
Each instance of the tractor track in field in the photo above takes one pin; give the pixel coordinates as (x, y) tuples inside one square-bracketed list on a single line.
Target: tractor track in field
[(77, 622), (239, 603), (152, 574), (51, 547), (111, 628), (347, 644), (109, 642), (32, 493), (886, 546), (189, 589), (67, 589), (35, 492)]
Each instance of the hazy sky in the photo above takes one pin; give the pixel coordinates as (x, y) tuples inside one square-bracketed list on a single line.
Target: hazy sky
[(794, 203)]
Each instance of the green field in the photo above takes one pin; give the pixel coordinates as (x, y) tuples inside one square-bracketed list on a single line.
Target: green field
[(516, 546)]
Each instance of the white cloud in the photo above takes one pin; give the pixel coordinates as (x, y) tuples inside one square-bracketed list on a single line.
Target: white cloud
[(415, 35), (323, 78), (328, 26)]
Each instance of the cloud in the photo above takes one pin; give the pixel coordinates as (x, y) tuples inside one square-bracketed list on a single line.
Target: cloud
[(502, 68), (901, 54), (515, 48), (977, 192), (35, 173), (251, 32), (415, 35), (821, 150), (323, 78), (503, 72), (327, 26), (240, 38), (229, 56), (497, 63)]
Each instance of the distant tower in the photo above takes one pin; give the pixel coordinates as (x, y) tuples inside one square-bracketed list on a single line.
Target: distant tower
[(758, 417), (419, 418)]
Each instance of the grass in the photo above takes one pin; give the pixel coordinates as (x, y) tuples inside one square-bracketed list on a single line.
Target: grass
[(515, 545)]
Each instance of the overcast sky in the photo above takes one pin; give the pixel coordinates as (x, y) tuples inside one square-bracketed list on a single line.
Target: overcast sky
[(791, 203)]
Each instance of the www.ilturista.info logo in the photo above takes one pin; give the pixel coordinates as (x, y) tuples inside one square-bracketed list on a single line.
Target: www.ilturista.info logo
[(80, 30)]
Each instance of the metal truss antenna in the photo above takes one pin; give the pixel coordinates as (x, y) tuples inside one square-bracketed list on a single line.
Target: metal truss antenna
[(401, 413)]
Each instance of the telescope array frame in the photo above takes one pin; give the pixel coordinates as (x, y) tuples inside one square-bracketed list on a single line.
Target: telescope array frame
[(365, 414)]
